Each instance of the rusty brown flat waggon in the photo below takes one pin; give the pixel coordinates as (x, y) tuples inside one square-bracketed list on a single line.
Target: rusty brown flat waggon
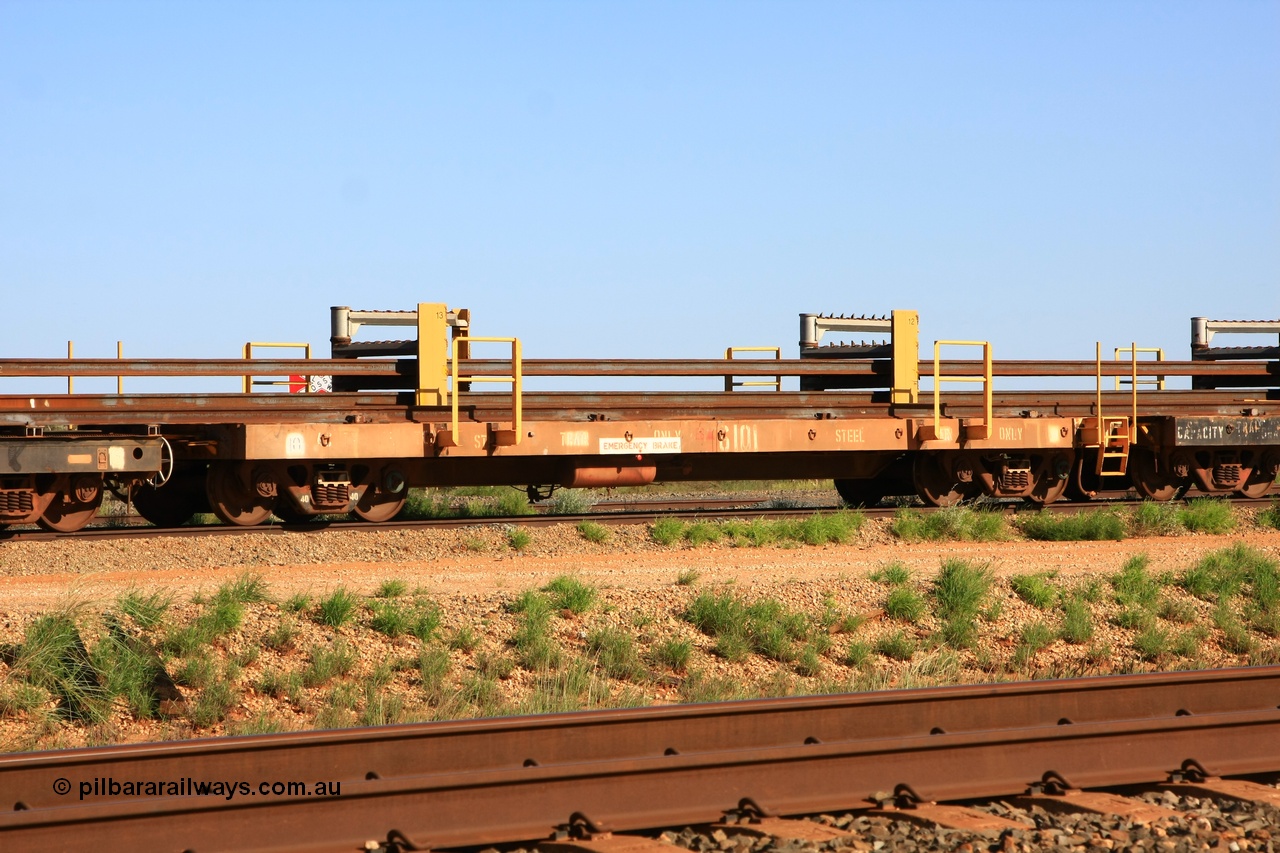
[(352, 433), (525, 778)]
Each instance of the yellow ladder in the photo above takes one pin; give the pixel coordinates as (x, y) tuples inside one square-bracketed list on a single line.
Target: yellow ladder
[(1113, 449), (1115, 434)]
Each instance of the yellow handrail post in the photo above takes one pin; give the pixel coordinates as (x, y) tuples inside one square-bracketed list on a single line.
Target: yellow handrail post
[(119, 356), (985, 379), (70, 354), (516, 379), (729, 384), (248, 379)]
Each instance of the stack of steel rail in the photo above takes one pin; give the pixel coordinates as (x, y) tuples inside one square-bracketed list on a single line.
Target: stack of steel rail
[(526, 778)]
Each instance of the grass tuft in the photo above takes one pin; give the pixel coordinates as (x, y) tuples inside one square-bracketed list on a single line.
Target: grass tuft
[(1035, 589), (904, 604), (569, 593), (960, 591), (336, 610), (1091, 525), (593, 531), (955, 522)]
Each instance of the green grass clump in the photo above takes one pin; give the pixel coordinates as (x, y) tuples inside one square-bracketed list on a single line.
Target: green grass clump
[(248, 588), (421, 619), (897, 646), (519, 539), (1035, 589), (464, 639), (667, 531), (1224, 573), (764, 626), (214, 703), (1152, 644), (129, 668), (857, 654), (569, 593), (1207, 515), (702, 533), (535, 648), (54, 658), (955, 522), (1270, 517), (1235, 637), (688, 577), (835, 527), (1134, 586), (593, 531), (1155, 518), (1091, 525), (894, 574), (614, 653), (391, 589), (673, 653), (1034, 637), (145, 609), (336, 610), (327, 663), (1077, 621), (904, 604), (512, 503), (960, 591)]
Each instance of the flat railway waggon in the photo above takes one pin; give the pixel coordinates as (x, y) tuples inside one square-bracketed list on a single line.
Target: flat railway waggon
[(423, 410)]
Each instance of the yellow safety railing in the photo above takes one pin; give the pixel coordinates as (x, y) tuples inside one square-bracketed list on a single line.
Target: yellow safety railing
[(71, 351), (985, 379), (729, 384), (1157, 381), (517, 384), (249, 381), (1115, 434)]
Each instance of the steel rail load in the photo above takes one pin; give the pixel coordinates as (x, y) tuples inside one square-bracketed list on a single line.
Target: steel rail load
[(425, 411)]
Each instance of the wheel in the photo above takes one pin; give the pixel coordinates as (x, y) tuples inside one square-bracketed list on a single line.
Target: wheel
[(856, 493), (1147, 481), (377, 505), (1255, 488), (1048, 489), (174, 503), (71, 510), (236, 502), (936, 485)]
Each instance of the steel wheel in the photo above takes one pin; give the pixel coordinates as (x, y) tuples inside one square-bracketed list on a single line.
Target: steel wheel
[(234, 501), (377, 506), (1255, 488), (71, 510), (936, 485), (1147, 481)]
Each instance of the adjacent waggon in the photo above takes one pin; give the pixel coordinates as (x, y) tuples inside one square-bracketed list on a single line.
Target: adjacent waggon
[(380, 417)]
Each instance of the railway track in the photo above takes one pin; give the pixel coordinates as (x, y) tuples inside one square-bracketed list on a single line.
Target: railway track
[(622, 513), (589, 781)]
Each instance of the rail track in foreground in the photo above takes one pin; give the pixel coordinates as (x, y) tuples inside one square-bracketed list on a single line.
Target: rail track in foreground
[(587, 779), (620, 513)]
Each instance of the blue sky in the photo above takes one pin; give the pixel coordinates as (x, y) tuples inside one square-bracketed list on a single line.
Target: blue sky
[(636, 179)]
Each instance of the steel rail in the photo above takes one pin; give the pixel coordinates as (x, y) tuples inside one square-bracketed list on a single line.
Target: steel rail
[(134, 409), (546, 367), (488, 781)]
